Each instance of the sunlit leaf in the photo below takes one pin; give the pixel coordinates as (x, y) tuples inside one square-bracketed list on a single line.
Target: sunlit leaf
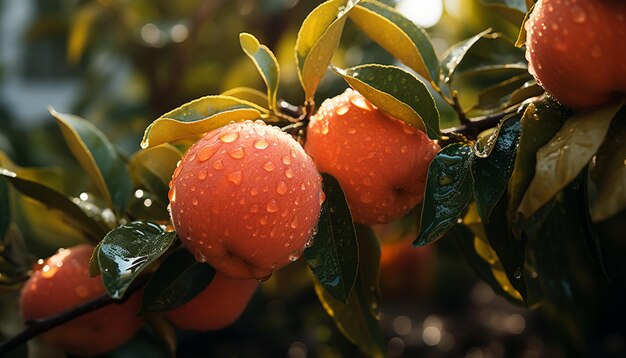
[(400, 36), (178, 279), (152, 168), (396, 92), (80, 30), (499, 95), (448, 191), (265, 62), (126, 251), (454, 55), (98, 157), (334, 256), (358, 319), (610, 173), (521, 37), (317, 41), (248, 94), (571, 149), (491, 174)]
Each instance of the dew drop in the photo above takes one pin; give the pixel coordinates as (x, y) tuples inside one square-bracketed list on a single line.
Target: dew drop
[(286, 160), (237, 153), (518, 273), (294, 256), (272, 206), (294, 222), (289, 173), (269, 166), (281, 187), (366, 197), (218, 165), (351, 130), (235, 177), (254, 208), (263, 220), (322, 198), (261, 144), (176, 171), (194, 202), (310, 241), (229, 137), (172, 194), (343, 110), (202, 174), (359, 102), (404, 149), (207, 152)]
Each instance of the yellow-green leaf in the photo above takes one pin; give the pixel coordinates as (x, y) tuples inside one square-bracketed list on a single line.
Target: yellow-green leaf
[(521, 37), (398, 35), (317, 41), (265, 62), (80, 30), (248, 94), (571, 149)]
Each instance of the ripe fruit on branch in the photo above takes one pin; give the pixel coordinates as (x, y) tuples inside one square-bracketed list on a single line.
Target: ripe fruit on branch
[(246, 199), (218, 306), (576, 48), (61, 283), (380, 162)]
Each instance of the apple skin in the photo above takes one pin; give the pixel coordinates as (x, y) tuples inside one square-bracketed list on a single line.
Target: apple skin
[(576, 50), (380, 162)]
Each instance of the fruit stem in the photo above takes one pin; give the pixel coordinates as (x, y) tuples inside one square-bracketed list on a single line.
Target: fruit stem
[(38, 326)]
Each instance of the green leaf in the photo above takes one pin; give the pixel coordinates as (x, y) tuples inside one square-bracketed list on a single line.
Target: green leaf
[(317, 41), (400, 36), (152, 169), (265, 62), (498, 96), (334, 256), (248, 94), (540, 122), (126, 251), (197, 117), (521, 37), (178, 280), (512, 10), (448, 191), (5, 209), (358, 319), (609, 172), (55, 200), (491, 174), (571, 149), (454, 55), (98, 157), (396, 92)]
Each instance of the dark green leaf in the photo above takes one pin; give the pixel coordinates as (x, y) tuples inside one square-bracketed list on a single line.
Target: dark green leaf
[(512, 10), (179, 279), (265, 62), (54, 200), (5, 209), (454, 55), (358, 319), (152, 169), (491, 174), (400, 36), (448, 191), (126, 251), (99, 158), (334, 256), (498, 96), (396, 92)]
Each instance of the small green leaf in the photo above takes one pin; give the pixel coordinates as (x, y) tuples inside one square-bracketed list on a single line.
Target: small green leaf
[(178, 280), (334, 256), (396, 92), (55, 200), (98, 157), (448, 191), (400, 36), (265, 62), (152, 169), (454, 55), (571, 149), (521, 37), (126, 251), (540, 122), (610, 173), (198, 117), (317, 41), (248, 94), (498, 96), (358, 319), (491, 174)]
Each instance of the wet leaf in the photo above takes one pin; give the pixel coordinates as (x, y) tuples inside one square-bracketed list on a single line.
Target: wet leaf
[(152, 169), (99, 159), (454, 55), (334, 256), (265, 62), (396, 92), (358, 319), (610, 173), (400, 36), (571, 149), (491, 174), (317, 41), (540, 122), (126, 251), (448, 191), (177, 281), (248, 94)]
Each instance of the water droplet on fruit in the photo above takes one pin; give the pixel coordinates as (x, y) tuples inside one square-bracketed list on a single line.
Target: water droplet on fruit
[(272, 206), (325, 130), (286, 160), (207, 152), (172, 195), (294, 222), (351, 130), (366, 197), (322, 198), (235, 177), (194, 202), (254, 208), (263, 220), (343, 110), (261, 144), (360, 102), (218, 165), (578, 14), (281, 187), (269, 166), (404, 149), (237, 153), (176, 171), (229, 137), (202, 174), (294, 255), (289, 173)]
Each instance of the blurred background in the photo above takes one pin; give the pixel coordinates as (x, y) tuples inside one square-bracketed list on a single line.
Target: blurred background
[(122, 63)]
